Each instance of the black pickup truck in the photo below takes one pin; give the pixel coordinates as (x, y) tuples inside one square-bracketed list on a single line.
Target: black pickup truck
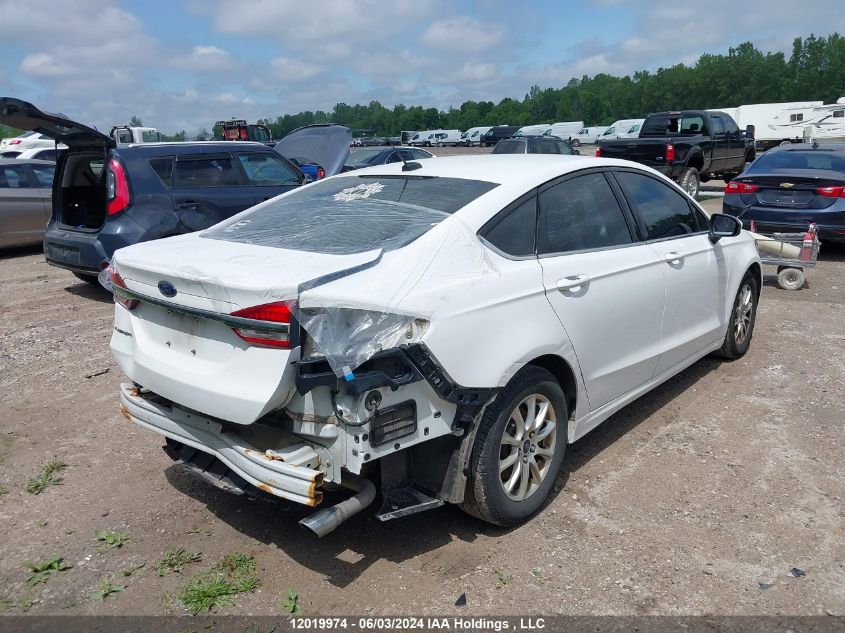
[(690, 147)]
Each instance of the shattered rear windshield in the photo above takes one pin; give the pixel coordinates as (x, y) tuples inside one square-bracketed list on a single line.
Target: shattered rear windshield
[(352, 214)]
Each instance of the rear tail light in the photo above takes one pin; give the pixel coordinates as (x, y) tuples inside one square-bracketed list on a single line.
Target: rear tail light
[(117, 187), (16, 141), (831, 192), (598, 152), (734, 186), (321, 173), (274, 314), (670, 153), (118, 287)]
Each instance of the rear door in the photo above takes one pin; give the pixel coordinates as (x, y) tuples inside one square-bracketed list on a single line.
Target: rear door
[(605, 285), (208, 188), (23, 215), (694, 268), (267, 174)]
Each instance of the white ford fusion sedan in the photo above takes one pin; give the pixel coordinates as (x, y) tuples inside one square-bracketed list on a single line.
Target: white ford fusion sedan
[(445, 328)]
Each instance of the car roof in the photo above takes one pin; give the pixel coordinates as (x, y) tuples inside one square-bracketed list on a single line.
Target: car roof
[(827, 147), (520, 170), (22, 161), (193, 147)]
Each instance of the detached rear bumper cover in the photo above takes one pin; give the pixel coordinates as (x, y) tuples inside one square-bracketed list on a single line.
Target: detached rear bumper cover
[(296, 483)]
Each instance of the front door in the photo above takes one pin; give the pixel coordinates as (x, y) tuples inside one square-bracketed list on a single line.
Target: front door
[(695, 272), (606, 287)]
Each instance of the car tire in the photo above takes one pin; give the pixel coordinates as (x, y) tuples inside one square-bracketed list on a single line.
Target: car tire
[(741, 323), (791, 278), (575, 143), (89, 279), (691, 182), (486, 497)]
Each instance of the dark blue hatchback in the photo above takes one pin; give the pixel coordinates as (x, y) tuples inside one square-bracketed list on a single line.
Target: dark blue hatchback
[(107, 196), (790, 187)]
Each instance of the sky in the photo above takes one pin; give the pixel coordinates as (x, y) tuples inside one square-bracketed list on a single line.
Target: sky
[(184, 64)]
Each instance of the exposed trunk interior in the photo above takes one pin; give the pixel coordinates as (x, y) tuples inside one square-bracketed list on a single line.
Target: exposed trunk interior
[(82, 199)]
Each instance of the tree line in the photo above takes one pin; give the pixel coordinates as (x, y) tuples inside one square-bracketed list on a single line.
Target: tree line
[(815, 70)]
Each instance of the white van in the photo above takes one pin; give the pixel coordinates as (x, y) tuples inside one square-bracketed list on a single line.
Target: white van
[(620, 127), (473, 136), (634, 130), (133, 134), (588, 135), (566, 130), (447, 137), (426, 138), (533, 130)]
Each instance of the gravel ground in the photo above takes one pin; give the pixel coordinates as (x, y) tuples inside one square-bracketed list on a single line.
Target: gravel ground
[(727, 476)]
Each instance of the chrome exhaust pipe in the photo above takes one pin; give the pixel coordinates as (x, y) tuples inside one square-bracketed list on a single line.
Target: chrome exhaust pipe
[(327, 519)]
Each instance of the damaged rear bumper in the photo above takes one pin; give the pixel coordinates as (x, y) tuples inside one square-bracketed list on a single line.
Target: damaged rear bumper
[(294, 478)]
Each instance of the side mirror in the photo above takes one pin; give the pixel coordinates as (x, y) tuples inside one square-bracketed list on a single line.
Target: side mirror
[(722, 225), (749, 131)]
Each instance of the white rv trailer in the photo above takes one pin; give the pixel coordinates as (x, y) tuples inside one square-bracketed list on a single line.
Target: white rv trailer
[(760, 115), (821, 122)]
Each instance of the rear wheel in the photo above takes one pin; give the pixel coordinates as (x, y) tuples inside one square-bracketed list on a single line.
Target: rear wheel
[(518, 450), (575, 142), (691, 182), (791, 278), (743, 316)]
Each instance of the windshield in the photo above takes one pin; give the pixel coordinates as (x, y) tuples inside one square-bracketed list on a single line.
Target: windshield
[(260, 134), (352, 214), (789, 160), (358, 156)]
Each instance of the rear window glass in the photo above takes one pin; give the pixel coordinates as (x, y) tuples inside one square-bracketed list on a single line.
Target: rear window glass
[(163, 167), (795, 159), (510, 146), (674, 125), (352, 214)]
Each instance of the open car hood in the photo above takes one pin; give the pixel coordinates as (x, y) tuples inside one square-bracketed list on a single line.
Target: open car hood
[(25, 116), (325, 144)]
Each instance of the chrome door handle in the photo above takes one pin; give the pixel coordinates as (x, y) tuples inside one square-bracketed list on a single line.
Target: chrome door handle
[(572, 283), (674, 257)]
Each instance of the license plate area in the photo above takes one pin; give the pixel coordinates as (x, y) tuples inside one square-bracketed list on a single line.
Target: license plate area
[(63, 253), (785, 197)]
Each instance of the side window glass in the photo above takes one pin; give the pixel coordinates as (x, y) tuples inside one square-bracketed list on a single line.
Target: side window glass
[(701, 219), (418, 153), (514, 233), (665, 212), (204, 172), (579, 214), (12, 177), (393, 158), (163, 167), (44, 175), (718, 128), (265, 170), (731, 127)]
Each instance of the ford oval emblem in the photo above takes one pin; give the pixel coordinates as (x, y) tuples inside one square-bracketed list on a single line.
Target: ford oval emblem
[(166, 288)]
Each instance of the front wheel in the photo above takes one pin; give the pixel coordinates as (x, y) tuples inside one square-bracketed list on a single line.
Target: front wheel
[(518, 450), (743, 316), (691, 182), (575, 142)]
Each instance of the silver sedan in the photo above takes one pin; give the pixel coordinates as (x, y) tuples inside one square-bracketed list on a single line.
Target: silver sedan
[(26, 188)]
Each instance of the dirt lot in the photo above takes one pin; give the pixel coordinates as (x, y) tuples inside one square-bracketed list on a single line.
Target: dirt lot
[(728, 476)]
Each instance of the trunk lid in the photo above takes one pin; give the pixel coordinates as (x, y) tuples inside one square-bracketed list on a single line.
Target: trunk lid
[(25, 116), (170, 344), (796, 189), (327, 145)]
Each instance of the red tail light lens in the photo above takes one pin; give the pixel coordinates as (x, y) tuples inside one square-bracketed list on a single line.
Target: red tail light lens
[(670, 153), (16, 141), (117, 187), (275, 313), (598, 152), (117, 286), (321, 173), (734, 186), (831, 192)]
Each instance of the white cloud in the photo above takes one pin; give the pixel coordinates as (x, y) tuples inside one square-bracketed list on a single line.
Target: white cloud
[(463, 34), (206, 58), (290, 69)]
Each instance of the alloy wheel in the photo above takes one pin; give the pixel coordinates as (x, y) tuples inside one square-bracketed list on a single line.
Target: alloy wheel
[(742, 313), (527, 447)]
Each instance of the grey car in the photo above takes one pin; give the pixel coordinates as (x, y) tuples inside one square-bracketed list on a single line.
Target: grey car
[(26, 188)]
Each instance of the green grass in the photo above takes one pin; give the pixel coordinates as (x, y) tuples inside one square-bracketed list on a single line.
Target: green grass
[(290, 604), (175, 560), (502, 579), (4, 490), (105, 589), (218, 586), (46, 478), (131, 570), (41, 572), (111, 539)]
